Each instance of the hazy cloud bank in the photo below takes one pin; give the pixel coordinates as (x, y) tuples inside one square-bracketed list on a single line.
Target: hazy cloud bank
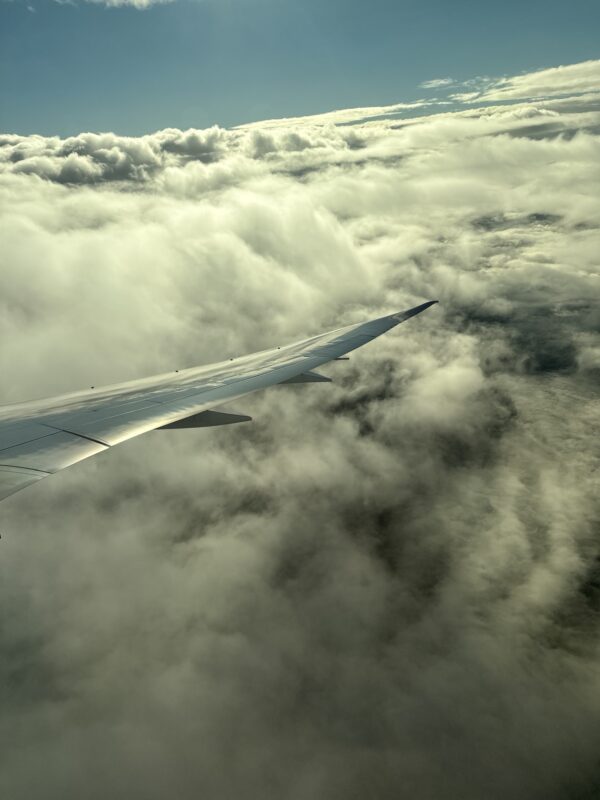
[(386, 586)]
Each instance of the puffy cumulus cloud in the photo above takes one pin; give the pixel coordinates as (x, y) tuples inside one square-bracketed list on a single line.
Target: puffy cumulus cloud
[(93, 157), (205, 145), (384, 586)]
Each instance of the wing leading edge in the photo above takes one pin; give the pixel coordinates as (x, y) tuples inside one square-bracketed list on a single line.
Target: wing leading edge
[(42, 437)]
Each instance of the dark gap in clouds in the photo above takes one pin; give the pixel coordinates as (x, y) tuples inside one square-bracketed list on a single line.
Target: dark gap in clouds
[(540, 339), (580, 613), (544, 337), (303, 172), (545, 347), (552, 131), (585, 315), (129, 489), (476, 447), (298, 568), (333, 167), (501, 222), (27, 676), (357, 403), (259, 502), (589, 792), (390, 533)]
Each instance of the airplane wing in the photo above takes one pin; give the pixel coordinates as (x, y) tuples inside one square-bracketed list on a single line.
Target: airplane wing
[(42, 437)]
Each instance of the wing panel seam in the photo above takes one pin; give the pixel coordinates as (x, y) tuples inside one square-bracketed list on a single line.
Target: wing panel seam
[(19, 468), (79, 435)]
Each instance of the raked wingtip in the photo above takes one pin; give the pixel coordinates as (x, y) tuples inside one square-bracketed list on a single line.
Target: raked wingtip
[(412, 312)]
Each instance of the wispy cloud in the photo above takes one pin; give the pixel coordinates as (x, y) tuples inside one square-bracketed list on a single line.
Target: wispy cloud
[(573, 79), (340, 116), (139, 4), (437, 83)]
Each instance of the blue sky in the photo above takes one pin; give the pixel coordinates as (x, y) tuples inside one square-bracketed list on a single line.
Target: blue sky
[(66, 68)]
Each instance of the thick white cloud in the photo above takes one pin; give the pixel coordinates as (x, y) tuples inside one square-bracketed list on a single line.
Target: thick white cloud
[(387, 585)]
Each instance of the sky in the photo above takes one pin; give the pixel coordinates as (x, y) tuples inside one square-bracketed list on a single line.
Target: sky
[(83, 66), (383, 586)]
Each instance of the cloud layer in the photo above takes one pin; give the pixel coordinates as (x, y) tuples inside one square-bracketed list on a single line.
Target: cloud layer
[(384, 587)]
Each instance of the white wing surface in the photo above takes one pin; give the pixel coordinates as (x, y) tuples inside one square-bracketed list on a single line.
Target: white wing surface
[(42, 437)]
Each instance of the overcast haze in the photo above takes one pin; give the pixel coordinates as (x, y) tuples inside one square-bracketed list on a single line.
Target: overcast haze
[(383, 587)]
